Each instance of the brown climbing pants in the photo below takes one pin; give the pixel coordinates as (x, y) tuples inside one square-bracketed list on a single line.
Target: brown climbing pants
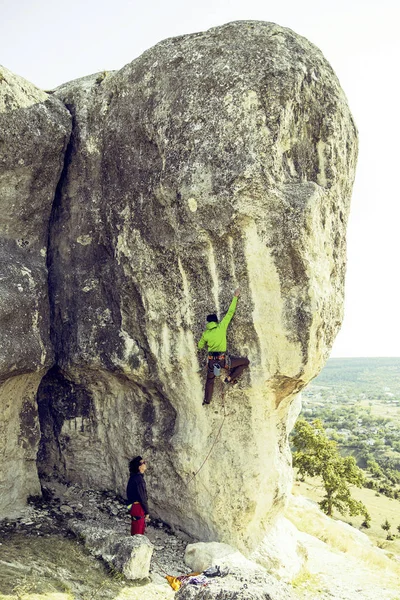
[(237, 366)]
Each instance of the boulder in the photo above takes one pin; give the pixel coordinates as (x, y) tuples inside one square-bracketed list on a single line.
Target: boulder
[(245, 579), (228, 589), (282, 552), (34, 131), (201, 556), (255, 578), (214, 160), (130, 555)]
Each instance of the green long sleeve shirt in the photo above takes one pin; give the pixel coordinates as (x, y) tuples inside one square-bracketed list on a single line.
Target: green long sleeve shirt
[(215, 333)]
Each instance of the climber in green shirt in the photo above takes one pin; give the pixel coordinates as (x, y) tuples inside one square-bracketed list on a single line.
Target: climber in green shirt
[(215, 338)]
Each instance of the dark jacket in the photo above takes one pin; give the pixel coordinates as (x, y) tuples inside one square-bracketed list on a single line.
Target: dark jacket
[(136, 491)]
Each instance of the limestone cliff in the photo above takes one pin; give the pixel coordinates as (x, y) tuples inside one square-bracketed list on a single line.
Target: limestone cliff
[(214, 160), (34, 129)]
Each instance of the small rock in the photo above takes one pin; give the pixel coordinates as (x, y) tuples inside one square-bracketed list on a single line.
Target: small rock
[(67, 510)]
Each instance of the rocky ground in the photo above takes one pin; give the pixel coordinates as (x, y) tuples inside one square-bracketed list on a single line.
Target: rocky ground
[(39, 554), (49, 517), (41, 557)]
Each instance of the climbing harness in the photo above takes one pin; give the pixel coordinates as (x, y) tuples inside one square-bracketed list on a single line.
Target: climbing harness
[(220, 357)]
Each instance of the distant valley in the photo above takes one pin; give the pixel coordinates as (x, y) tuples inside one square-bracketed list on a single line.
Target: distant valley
[(358, 401)]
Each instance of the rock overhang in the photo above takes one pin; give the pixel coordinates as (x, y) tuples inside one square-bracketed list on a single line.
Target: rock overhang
[(214, 159)]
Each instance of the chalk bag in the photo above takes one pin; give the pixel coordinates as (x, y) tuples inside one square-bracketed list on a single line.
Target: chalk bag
[(217, 370)]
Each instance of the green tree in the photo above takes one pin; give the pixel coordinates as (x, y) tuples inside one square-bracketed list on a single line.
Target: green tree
[(386, 527), (367, 522), (315, 455), (374, 468)]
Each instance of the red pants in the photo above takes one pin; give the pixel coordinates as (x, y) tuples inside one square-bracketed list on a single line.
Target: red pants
[(137, 527), (237, 366)]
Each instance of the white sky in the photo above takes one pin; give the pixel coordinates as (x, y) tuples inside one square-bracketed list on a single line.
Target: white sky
[(49, 42)]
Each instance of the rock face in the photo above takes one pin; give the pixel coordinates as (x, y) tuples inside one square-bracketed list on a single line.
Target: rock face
[(214, 160), (34, 130)]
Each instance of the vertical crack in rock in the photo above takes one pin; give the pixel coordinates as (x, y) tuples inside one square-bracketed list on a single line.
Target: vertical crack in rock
[(55, 325)]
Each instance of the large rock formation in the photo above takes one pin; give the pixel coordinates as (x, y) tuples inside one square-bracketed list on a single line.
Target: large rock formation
[(214, 160), (34, 130)]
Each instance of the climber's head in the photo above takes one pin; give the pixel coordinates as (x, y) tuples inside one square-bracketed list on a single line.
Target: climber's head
[(212, 319)]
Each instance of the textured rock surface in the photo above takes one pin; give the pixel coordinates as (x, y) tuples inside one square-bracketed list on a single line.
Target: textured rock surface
[(214, 160), (245, 581), (281, 552), (130, 555), (200, 556), (235, 588), (34, 130)]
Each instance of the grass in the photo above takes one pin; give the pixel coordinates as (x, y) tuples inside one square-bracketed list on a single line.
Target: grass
[(52, 568), (380, 566), (382, 409), (380, 508), (59, 568), (305, 580)]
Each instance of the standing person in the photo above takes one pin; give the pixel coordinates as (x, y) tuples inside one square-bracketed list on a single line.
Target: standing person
[(215, 338), (136, 493)]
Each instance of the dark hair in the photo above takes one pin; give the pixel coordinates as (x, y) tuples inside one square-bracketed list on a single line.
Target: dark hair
[(135, 464), (212, 319)]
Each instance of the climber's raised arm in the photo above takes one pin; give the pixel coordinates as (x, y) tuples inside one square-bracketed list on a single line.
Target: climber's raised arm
[(231, 310)]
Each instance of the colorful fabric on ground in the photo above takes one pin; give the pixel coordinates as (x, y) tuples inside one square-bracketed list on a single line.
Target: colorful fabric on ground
[(173, 582), (194, 579)]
